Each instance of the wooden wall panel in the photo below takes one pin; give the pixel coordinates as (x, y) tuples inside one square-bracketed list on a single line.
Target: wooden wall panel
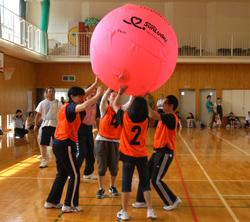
[(13, 92), (29, 76), (50, 74), (186, 76)]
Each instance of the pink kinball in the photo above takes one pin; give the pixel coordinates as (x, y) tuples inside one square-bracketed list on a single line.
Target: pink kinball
[(133, 46)]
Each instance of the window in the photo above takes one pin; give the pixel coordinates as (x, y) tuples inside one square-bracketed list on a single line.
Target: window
[(9, 121), (61, 93), (10, 20)]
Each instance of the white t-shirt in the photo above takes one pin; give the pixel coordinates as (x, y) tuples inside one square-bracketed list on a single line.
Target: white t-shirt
[(247, 118), (18, 122), (49, 111)]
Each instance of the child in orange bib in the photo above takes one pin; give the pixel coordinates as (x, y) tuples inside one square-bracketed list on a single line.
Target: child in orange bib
[(133, 151), (64, 148), (164, 146)]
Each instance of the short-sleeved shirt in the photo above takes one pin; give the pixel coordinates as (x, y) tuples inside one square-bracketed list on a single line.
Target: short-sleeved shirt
[(71, 113), (18, 122), (169, 120), (209, 106), (49, 110), (92, 114)]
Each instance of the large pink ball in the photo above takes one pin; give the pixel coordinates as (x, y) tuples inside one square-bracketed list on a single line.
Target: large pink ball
[(133, 46)]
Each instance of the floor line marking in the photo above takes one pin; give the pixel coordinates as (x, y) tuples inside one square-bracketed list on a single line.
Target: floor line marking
[(231, 144), (211, 182), (189, 199)]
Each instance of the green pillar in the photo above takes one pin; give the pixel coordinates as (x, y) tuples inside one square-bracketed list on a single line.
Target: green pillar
[(44, 23), (22, 14)]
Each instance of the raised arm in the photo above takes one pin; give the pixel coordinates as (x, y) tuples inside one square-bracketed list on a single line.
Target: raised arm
[(153, 114), (81, 107), (115, 104), (127, 104), (103, 104), (90, 89)]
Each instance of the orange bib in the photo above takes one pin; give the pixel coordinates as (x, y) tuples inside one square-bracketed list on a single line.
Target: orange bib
[(164, 136), (65, 129), (109, 126), (133, 137)]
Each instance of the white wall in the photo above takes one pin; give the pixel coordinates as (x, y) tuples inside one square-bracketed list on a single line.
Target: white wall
[(62, 14), (33, 12), (210, 18)]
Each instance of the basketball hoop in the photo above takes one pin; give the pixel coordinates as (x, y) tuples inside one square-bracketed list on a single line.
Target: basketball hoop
[(8, 71)]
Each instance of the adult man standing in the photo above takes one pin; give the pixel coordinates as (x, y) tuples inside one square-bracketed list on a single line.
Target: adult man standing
[(47, 110), (210, 110)]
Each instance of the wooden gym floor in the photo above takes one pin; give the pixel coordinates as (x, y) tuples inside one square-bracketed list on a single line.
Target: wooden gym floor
[(211, 174)]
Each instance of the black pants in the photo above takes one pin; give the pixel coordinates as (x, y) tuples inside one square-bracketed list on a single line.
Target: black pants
[(20, 132), (247, 124), (158, 166), (65, 152), (128, 168), (86, 149)]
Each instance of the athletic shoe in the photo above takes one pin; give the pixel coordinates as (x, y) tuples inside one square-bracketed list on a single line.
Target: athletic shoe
[(113, 191), (44, 163), (67, 209), (151, 214), (49, 205), (139, 205), (175, 204), (90, 177), (122, 215), (100, 194)]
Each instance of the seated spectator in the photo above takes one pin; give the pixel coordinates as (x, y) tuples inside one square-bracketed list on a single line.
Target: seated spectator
[(29, 123), (233, 121), (190, 121), (247, 124), (18, 121)]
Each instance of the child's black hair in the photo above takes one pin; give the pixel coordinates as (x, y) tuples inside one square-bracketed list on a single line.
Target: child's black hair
[(75, 91), (172, 100), (138, 110), (18, 111)]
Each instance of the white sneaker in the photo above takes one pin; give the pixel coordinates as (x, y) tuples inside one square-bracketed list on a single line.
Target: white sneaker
[(151, 214), (67, 209), (139, 205), (122, 215), (175, 204), (90, 177), (44, 163), (49, 205)]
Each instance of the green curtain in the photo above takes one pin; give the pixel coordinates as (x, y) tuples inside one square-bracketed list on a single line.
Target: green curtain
[(22, 14), (22, 9), (44, 23)]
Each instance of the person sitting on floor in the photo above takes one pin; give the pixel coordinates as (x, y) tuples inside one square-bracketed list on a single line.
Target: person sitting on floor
[(247, 123), (19, 130)]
